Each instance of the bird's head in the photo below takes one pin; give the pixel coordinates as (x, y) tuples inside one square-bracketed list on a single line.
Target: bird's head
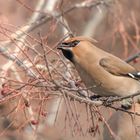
[(74, 47), (67, 48)]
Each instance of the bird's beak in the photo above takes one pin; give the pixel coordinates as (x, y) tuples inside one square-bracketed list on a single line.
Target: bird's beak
[(63, 46), (59, 47)]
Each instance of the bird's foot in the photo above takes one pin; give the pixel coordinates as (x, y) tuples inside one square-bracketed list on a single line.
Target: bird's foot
[(126, 104), (95, 97), (108, 101)]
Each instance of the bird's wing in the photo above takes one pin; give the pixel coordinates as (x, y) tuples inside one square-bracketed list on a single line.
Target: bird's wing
[(118, 67)]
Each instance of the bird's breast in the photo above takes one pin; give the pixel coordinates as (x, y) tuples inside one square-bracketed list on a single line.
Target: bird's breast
[(94, 85), (108, 84)]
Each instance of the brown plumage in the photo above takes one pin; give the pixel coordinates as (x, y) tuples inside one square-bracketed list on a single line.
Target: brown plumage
[(104, 72)]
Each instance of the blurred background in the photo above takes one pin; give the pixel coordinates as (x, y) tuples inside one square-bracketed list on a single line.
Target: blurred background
[(36, 99)]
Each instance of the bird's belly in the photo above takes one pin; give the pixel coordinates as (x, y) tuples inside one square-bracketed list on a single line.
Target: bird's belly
[(118, 88), (97, 88), (93, 85)]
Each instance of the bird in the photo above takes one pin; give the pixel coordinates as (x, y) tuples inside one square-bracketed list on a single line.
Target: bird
[(102, 72)]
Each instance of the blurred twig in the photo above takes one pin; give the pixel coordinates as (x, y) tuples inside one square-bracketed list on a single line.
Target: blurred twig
[(133, 57)]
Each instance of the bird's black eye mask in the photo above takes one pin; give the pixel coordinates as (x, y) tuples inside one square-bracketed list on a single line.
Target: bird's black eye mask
[(70, 44), (64, 46)]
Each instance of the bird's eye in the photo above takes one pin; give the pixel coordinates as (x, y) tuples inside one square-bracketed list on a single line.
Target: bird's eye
[(65, 43), (70, 44), (74, 43)]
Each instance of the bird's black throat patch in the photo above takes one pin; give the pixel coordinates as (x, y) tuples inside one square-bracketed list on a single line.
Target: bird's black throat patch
[(65, 47), (68, 54)]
